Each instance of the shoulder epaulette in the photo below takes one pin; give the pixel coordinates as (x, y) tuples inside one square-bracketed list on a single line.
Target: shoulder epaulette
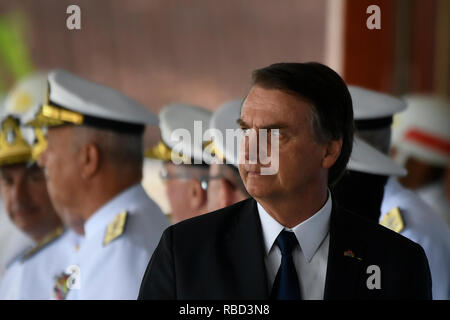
[(115, 228), (49, 238), (393, 220)]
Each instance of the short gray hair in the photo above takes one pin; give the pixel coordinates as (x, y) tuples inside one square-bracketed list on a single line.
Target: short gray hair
[(121, 149)]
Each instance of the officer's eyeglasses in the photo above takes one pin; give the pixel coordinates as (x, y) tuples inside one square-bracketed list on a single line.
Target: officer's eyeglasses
[(204, 179)]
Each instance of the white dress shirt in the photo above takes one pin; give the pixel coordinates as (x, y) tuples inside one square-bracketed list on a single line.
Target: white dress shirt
[(310, 257)]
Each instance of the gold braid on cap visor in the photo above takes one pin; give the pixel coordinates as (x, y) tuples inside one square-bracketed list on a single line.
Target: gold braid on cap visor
[(160, 152), (50, 115), (54, 116)]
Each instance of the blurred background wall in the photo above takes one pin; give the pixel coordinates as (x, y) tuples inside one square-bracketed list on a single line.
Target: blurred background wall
[(160, 51), (410, 53), (202, 51)]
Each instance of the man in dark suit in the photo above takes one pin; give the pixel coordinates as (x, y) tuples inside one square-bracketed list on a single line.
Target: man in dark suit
[(290, 240)]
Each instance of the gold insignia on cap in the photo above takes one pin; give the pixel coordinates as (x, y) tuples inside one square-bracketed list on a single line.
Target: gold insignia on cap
[(63, 115), (393, 220), (52, 236), (21, 101), (13, 147), (50, 115), (115, 228), (161, 152)]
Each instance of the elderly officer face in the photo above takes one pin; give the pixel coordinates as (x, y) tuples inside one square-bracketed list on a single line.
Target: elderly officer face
[(27, 202), (183, 187), (61, 166), (303, 162)]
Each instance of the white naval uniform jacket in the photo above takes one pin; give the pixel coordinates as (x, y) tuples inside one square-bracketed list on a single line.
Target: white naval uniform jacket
[(12, 240), (425, 227), (115, 270), (28, 276)]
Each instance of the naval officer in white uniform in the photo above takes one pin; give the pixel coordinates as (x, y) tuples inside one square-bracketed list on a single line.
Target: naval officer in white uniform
[(23, 189), (185, 168), (421, 140), (93, 165), (402, 210), (225, 184), (12, 240)]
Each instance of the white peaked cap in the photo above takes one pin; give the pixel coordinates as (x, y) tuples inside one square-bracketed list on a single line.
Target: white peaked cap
[(27, 96), (369, 104), (183, 116), (423, 131), (226, 118), (96, 102), (367, 159)]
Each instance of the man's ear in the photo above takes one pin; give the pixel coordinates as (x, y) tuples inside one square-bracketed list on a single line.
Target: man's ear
[(89, 156), (332, 152)]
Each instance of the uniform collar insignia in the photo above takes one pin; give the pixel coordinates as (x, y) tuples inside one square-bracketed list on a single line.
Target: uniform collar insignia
[(393, 220), (115, 228), (49, 238)]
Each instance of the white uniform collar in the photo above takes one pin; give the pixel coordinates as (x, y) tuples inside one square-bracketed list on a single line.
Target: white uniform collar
[(310, 233), (125, 200)]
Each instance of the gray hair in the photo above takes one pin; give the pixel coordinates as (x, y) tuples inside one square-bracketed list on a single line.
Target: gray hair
[(124, 150)]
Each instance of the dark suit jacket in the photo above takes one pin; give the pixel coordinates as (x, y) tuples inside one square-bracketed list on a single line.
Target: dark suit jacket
[(220, 256)]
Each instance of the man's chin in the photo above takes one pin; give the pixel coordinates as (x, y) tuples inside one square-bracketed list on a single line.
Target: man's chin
[(258, 190)]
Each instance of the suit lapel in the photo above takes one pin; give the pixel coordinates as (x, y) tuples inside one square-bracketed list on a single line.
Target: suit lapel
[(244, 255), (244, 247), (345, 258)]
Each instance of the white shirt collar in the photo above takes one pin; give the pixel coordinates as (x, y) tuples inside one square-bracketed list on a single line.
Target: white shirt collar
[(104, 215), (310, 233)]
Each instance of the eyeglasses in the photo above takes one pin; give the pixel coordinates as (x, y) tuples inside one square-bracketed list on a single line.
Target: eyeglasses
[(204, 180)]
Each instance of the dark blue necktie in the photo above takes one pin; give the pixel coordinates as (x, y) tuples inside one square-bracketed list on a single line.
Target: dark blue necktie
[(286, 285)]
